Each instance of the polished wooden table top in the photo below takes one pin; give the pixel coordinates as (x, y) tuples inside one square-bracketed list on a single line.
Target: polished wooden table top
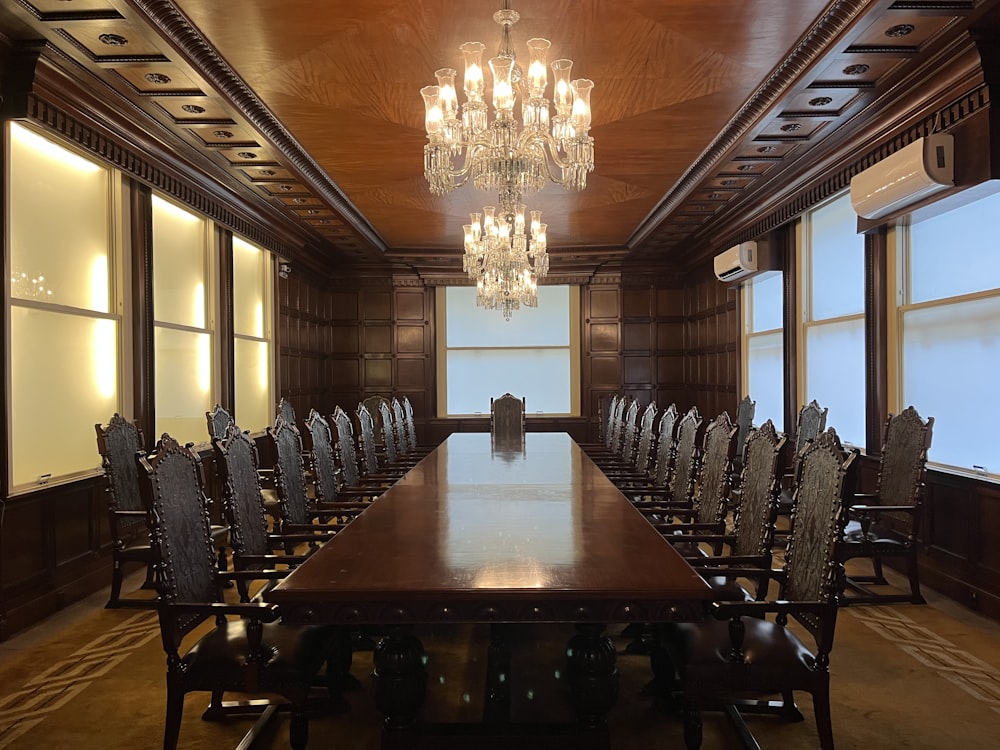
[(474, 534)]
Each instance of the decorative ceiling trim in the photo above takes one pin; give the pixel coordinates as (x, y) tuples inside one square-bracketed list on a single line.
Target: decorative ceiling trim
[(814, 45), (179, 31)]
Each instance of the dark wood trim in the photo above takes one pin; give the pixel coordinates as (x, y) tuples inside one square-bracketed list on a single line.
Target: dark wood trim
[(224, 325), (140, 249), (876, 338)]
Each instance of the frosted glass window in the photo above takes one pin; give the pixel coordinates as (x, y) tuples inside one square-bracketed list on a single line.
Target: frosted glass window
[(183, 383), (766, 301), (766, 377), (62, 333), (835, 375), (530, 355), (542, 376), (545, 325), (71, 381), (836, 261), (59, 229), (252, 371), (249, 270), (935, 339), (180, 275), (956, 253)]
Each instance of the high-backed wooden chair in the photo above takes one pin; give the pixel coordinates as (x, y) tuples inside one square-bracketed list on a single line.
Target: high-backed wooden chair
[(507, 417), (118, 443), (416, 448), (219, 420), (372, 404), (744, 421), (748, 545), (352, 484), (638, 472), (705, 512), (685, 463), (298, 512), (811, 421), (254, 654), (394, 455), (374, 463), (253, 544), (885, 523), (623, 457), (737, 659)]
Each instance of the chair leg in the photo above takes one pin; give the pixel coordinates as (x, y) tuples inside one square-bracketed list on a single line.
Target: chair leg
[(692, 729), (879, 577), (175, 711), (824, 724), (298, 729), (116, 585), (915, 596)]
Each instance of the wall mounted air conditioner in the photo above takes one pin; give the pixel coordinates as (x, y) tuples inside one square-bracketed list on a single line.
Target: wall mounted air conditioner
[(736, 262), (916, 171)]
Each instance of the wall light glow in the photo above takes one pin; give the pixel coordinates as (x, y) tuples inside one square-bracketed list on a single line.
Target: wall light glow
[(205, 364), (176, 212), (263, 361), (50, 150), (105, 358), (198, 300), (99, 291)]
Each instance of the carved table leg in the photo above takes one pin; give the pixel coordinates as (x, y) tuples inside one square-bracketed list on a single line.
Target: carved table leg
[(400, 676), (497, 705), (592, 674)]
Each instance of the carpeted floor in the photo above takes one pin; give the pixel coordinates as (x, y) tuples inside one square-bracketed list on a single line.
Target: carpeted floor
[(903, 676)]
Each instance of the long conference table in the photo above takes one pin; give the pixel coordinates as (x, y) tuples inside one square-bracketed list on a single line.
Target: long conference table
[(484, 533)]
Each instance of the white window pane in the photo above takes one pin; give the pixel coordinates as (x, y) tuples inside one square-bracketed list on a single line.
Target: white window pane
[(249, 268), (956, 253), (179, 273), (545, 325), (252, 372), (542, 376), (59, 224), (934, 340), (766, 301), (837, 271), (183, 384), (70, 380), (835, 375), (765, 365)]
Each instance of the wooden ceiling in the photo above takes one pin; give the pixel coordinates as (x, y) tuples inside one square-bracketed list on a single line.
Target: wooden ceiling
[(312, 110)]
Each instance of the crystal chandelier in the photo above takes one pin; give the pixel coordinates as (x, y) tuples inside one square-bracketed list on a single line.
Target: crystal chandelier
[(508, 157), (499, 258)]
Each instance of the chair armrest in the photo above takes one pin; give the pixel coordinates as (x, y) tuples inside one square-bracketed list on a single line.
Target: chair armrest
[(728, 610), (319, 530), (130, 513), (263, 611), (271, 560), (684, 528), (717, 566), (687, 538), (876, 509)]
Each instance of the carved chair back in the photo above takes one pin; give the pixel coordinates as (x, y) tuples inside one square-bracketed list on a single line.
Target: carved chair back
[(507, 417), (236, 462), (346, 450), (181, 530), (366, 440), (686, 456), (289, 473), (616, 425), (373, 404), (399, 422), (219, 420), (321, 457), (901, 467), (810, 423), (392, 453), (645, 445), (760, 484), (118, 444), (744, 421), (411, 427), (285, 411), (714, 477), (825, 479), (630, 432), (665, 446), (607, 423)]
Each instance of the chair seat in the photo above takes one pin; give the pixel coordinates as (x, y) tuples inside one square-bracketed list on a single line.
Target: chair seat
[(727, 590), (853, 534), (221, 654), (778, 660)]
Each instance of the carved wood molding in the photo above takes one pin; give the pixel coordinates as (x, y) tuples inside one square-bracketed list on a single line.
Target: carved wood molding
[(813, 45), (189, 42)]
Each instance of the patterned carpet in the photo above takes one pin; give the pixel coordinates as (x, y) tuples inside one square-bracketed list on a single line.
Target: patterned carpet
[(903, 676)]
